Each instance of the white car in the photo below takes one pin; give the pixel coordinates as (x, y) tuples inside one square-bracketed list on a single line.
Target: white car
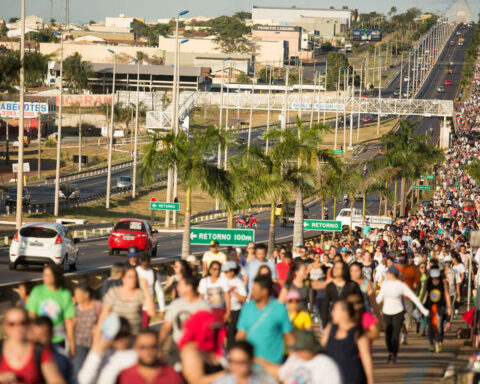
[(124, 182), (44, 243)]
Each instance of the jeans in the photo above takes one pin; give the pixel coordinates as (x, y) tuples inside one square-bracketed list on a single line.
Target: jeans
[(393, 325), (80, 356)]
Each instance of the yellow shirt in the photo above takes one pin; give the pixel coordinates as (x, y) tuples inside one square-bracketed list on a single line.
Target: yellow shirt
[(300, 320), (209, 256)]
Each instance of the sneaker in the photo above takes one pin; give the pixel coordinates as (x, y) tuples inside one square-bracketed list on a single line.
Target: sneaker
[(438, 348), (394, 359), (431, 348), (404, 339), (389, 358)]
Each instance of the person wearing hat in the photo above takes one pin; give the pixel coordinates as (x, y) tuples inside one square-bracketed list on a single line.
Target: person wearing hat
[(305, 360), (300, 319), (213, 254), (238, 296), (132, 256), (437, 300), (391, 294)]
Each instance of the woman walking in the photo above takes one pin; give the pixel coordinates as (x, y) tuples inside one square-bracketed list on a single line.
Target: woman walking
[(345, 342), (391, 294), (296, 281), (439, 305), (215, 290)]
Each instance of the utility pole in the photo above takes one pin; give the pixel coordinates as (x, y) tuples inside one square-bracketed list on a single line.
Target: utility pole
[(359, 102), (268, 103), (80, 138), (19, 212), (39, 154), (351, 108), (59, 136), (134, 170), (225, 160), (379, 99), (110, 134)]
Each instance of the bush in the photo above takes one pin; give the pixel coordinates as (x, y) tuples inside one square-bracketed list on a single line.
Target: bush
[(50, 143)]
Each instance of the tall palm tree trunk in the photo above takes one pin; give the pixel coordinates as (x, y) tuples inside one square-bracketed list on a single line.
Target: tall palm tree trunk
[(298, 220), (395, 201), (386, 199), (334, 207), (271, 230), (402, 196), (229, 218), (186, 230), (364, 204)]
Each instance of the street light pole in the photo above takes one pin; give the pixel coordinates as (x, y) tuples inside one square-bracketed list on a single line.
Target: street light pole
[(19, 212), (79, 138), (134, 171), (110, 134), (59, 135)]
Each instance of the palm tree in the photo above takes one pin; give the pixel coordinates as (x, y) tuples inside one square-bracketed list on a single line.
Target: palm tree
[(194, 169), (410, 153), (301, 150)]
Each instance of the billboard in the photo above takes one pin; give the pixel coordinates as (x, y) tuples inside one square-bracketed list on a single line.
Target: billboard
[(11, 110), (367, 34), (84, 100)]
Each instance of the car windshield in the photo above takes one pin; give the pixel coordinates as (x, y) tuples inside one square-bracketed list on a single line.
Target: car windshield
[(129, 226), (42, 232), (125, 178)]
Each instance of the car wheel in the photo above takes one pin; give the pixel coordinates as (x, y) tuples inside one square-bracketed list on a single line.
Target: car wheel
[(111, 251), (74, 265), (153, 253), (12, 266), (65, 263)]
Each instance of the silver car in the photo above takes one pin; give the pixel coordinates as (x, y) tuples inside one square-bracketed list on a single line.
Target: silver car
[(124, 182), (69, 191)]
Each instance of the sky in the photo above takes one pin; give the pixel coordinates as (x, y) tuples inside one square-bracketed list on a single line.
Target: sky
[(82, 11)]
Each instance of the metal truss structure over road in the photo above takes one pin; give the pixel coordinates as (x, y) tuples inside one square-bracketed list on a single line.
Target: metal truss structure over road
[(297, 102), (460, 12)]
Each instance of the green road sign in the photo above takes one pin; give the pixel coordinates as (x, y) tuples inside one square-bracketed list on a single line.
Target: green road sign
[(427, 177), (338, 151), (322, 225), (421, 187), (158, 206), (233, 237)]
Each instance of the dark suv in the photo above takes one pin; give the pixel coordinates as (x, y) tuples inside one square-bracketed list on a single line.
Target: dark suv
[(11, 197)]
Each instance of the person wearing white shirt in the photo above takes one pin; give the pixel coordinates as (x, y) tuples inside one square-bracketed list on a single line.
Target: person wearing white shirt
[(238, 296), (146, 272), (391, 294)]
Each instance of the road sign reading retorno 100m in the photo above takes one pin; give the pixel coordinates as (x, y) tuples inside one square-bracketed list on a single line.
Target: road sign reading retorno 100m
[(158, 206), (224, 236)]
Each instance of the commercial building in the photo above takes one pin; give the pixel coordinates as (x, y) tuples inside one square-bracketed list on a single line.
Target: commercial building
[(290, 35), (152, 77), (327, 22)]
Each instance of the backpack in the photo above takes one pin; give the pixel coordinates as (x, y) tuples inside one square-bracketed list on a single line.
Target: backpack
[(37, 357)]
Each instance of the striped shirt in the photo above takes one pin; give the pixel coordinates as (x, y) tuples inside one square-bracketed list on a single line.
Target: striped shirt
[(130, 309)]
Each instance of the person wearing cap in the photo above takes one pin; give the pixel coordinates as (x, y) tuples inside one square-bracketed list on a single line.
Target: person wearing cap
[(213, 254), (132, 256), (305, 360), (391, 294), (300, 319), (437, 300), (238, 296), (296, 252)]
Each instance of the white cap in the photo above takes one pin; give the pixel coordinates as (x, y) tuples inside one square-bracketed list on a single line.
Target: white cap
[(238, 250)]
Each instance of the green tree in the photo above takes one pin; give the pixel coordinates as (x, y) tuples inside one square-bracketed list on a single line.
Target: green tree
[(242, 15), (42, 36), (151, 33), (243, 79), (13, 19), (194, 170), (231, 34), (473, 169), (36, 66), (335, 60), (76, 72)]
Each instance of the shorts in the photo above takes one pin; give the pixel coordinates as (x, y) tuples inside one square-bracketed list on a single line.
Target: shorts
[(409, 307)]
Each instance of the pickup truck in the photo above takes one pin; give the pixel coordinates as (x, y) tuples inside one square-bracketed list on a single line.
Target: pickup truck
[(460, 41), (357, 220), (288, 215)]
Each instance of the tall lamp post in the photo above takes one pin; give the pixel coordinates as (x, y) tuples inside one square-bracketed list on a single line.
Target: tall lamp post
[(21, 122), (134, 170), (110, 133), (59, 133), (175, 173)]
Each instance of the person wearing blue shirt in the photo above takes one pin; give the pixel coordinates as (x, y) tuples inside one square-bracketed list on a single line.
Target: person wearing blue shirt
[(366, 228), (264, 322), (251, 268)]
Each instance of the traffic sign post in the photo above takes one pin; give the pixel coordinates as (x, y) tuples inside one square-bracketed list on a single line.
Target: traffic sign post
[(427, 177), (322, 225), (158, 206), (421, 187), (224, 236)]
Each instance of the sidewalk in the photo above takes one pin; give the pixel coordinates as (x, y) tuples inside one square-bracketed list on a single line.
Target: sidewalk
[(415, 363)]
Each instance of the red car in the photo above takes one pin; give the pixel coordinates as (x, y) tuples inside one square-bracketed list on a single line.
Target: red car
[(448, 82), (366, 119), (452, 43), (132, 233)]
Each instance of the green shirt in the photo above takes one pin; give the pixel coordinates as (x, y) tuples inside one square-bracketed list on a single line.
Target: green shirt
[(56, 305)]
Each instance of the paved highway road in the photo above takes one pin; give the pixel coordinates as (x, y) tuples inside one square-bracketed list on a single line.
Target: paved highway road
[(94, 254)]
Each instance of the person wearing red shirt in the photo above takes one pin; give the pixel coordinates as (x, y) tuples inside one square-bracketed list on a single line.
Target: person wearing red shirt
[(20, 360), (148, 369), (283, 267)]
